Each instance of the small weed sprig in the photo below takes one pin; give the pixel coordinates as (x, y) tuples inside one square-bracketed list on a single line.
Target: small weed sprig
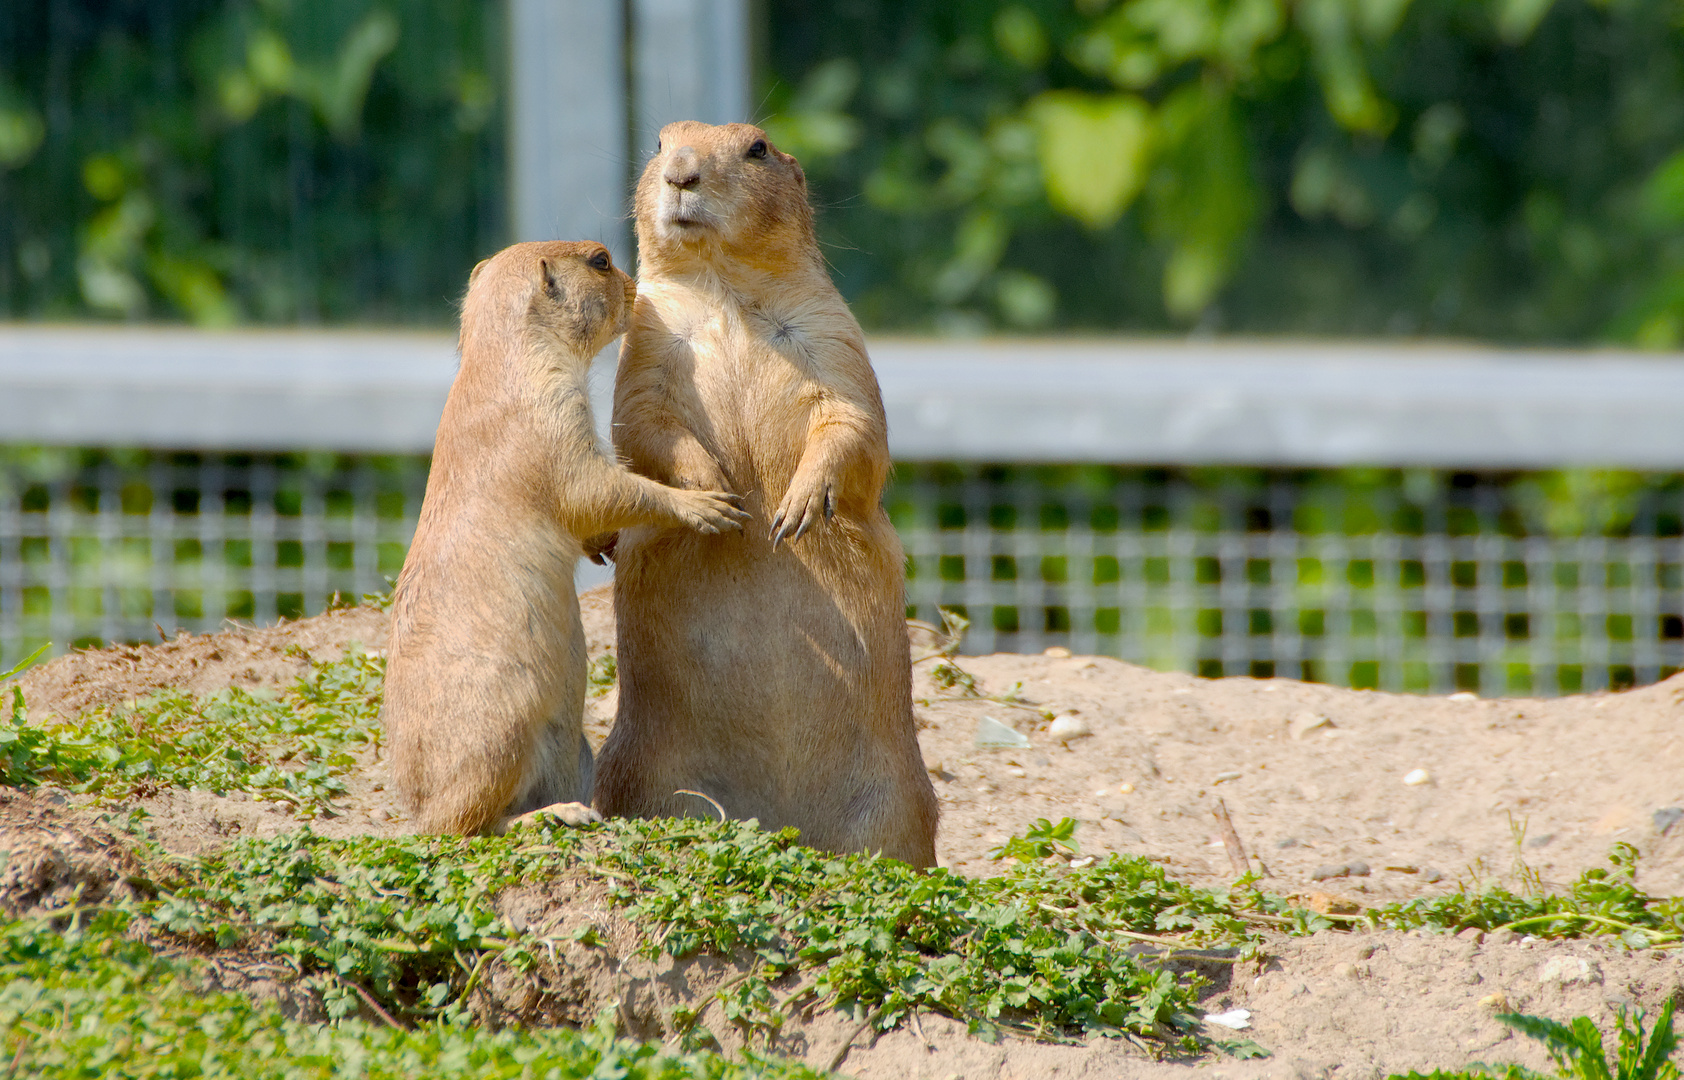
[(89, 1001), (602, 674), (948, 675), (1599, 902), (30, 754), (1576, 1049), (294, 747)]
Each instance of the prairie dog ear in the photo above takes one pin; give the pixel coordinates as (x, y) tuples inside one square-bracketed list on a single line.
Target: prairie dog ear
[(473, 275), (549, 274)]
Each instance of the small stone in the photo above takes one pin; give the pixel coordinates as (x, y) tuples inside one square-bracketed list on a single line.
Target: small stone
[(1498, 1002), (1224, 777), (1356, 869), (1471, 933), (1328, 904), (1125, 788), (1568, 969), (1057, 652), (1328, 870), (1416, 777), (1431, 875), (1463, 695), (1291, 841), (380, 813), (1347, 971), (1069, 727), (1666, 818), (1303, 723), (1017, 771)]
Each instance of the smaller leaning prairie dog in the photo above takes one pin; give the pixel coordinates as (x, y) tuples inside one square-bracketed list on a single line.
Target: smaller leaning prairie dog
[(485, 668)]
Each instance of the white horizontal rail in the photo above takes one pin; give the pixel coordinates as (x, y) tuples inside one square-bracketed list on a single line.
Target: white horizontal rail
[(1143, 402)]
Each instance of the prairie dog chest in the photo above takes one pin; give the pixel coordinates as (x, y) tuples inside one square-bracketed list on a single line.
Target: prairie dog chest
[(750, 368)]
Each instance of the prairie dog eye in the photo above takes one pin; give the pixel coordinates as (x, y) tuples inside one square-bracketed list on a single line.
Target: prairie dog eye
[(599, 261), (757, 149)]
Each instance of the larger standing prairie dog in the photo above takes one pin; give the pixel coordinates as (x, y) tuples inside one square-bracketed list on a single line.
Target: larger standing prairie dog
[(766, 669), (485, 669)]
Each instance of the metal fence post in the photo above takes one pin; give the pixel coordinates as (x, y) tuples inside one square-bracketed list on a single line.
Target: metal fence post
[(692, 63), (567, 122)]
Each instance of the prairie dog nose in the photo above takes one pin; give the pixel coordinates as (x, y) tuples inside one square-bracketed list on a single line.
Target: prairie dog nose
[(684, 168)]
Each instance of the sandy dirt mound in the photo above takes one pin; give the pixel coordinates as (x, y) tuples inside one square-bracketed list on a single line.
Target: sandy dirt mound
[(1359, 797), (239, 656)]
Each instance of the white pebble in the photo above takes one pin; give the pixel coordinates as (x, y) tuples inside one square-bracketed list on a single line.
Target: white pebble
[(1568, 969), (1303, 723), (1069, 727), (1464, 695), (1416, 777)]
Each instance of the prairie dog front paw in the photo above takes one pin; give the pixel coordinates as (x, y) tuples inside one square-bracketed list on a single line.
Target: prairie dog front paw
[(806, 503), (710, 511)]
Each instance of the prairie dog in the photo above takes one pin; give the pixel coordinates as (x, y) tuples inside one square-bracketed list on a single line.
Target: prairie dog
[(768, 669), (485, 668)]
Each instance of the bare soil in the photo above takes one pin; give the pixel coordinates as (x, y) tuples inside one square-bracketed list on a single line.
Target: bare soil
[(1344, 798)]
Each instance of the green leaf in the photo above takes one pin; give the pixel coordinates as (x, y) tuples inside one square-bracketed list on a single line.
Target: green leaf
[(22, 665), (1094, 150), (1516, 19), (1019, 34), (1202, 201)]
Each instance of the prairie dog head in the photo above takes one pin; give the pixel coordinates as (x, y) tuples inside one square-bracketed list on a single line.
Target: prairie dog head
[(723, 189), (568, 295)]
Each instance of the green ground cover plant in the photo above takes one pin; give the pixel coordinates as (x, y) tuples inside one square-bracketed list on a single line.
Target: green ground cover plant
[(1577, 1051), (296, 746), (412, 924), (87, 1000), (1599, 902)]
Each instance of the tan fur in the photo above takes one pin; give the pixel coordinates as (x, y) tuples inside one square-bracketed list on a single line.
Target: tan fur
[(485, 669), (768, 669)]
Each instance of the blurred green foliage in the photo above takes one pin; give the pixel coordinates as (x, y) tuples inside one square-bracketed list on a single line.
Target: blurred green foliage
[(247, 160), (1503, 169), (1506, 169)]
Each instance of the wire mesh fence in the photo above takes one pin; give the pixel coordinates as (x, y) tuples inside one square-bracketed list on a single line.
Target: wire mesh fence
[(98, 546), (1417, 581)]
